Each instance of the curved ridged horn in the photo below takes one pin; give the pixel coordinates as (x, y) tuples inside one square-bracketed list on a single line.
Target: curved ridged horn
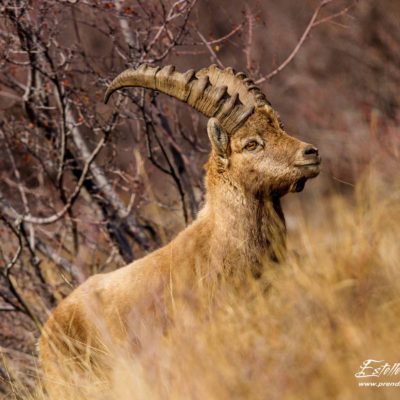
[(214, 92)]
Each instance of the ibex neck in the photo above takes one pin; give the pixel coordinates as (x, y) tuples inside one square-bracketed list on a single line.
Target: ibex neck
[(247, 229)]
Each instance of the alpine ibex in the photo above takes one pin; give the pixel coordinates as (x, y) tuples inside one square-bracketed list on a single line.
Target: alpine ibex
[(253, 163)]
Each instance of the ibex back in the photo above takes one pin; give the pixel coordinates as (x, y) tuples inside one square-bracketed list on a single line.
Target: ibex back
[(253, 163)]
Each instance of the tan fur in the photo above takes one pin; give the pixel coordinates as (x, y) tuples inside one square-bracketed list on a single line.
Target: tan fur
[(240, 227)]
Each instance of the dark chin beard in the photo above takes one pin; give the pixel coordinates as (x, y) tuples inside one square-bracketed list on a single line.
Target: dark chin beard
[(296, 186), (299, 185)]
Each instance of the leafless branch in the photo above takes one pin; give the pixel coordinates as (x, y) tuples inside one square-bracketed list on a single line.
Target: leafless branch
[(6, 272), (149, 130), (71, 200), (311, 24), (333, 16), (227, 36), (213, 54), (17, 233)]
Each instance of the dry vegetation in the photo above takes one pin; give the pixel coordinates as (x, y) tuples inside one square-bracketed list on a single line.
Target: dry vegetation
[(304, 328), (300, 332)]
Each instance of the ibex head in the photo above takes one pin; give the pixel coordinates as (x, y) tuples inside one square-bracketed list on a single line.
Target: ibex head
[(249, 146)]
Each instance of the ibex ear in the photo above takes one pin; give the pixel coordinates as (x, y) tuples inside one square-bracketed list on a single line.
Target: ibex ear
[(218, 138)]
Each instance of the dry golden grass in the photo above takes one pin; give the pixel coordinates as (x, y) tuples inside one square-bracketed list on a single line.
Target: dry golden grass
[(300, 332)]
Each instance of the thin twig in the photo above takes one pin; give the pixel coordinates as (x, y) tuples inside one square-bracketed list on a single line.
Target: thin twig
[(177, 38), (300, 43), (333, 16), (25, 308), (17, 234), (227, 36), (21, 188), (210, 49)]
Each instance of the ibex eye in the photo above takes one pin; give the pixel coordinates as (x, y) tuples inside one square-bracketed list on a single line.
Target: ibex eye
[(251, 145)]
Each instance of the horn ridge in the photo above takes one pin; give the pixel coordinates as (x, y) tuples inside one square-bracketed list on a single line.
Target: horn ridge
[(224, 94)]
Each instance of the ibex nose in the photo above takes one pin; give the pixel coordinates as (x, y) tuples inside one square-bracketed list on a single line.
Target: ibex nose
[(310, 150), (307, 155)]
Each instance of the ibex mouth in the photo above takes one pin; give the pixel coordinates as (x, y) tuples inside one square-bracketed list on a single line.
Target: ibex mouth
[(308, 163), (309, 168)]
